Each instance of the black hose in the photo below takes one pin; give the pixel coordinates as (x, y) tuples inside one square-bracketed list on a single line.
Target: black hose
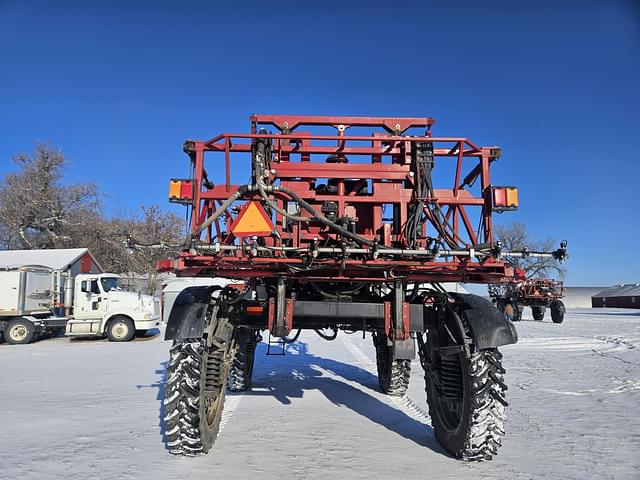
[(219, 211), (292, 339), (327, 337), (324, 220), (340, 293), (259, 153)]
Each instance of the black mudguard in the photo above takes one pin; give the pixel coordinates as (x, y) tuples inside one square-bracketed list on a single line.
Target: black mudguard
[(489, 327), (188, 313)]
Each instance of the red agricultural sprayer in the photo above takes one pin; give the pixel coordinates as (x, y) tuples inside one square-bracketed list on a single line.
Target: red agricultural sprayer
[(537, 293), (343, 223)]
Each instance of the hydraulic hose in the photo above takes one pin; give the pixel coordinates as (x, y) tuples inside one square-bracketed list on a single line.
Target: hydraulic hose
[(220, 210), (259, 150), (258, 166), (292, 339), (322, 219), (263, 193), (327, 337)]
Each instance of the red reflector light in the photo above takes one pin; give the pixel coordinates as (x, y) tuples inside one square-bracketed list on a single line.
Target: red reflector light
[(504, 198), (255, 309), (164, 265), (238, 285), (180, 191)]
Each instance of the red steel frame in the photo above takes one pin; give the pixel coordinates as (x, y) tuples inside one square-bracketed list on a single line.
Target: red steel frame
[(389, 177)]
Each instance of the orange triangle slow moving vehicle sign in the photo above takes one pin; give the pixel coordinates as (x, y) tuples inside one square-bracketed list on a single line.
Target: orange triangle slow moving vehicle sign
[(252, 221)]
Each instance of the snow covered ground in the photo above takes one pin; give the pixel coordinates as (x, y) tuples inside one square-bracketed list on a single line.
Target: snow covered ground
[(86, 409)]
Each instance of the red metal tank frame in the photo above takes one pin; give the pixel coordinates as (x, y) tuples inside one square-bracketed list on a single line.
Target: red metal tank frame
[(388, 178)]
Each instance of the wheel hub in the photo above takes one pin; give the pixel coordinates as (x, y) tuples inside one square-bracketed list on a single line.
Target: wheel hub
[(18, 333), (120, 330)]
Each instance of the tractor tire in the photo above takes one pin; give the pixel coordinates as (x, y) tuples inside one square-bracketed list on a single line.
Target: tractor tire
[(120, 329), (20, 331), (517, 312), (466, 397), (538, 313), (195, 389), (393, 375), (557, 311), (241, 369), (468, 409)]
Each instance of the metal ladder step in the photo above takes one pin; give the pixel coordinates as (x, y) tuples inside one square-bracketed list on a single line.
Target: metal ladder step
[(275, 343)]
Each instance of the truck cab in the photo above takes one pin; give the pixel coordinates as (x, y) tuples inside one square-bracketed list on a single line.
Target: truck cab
[(102, 307)]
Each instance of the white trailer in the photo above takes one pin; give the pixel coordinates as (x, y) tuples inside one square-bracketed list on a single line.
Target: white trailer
[(26, 303)]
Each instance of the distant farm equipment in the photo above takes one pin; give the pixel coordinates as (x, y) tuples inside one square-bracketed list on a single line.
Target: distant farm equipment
[(539, 294)]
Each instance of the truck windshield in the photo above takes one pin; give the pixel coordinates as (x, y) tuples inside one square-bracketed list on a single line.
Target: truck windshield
[(110, 283)]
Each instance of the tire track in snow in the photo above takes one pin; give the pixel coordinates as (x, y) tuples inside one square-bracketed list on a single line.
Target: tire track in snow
[(404, 403), (231, 403), (575, 344)]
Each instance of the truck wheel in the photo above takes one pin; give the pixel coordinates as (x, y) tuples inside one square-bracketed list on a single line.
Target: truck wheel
[(517, 312), (20, 331), (241, 369), (393, 375), (557, 311), (195, 389), (466, 398), (538, 313), (120, 329)]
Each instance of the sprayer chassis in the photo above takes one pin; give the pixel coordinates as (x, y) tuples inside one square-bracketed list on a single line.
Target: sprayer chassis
[(344, 244)]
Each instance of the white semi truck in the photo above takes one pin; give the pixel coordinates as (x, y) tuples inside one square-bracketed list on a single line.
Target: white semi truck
[(94, 306)]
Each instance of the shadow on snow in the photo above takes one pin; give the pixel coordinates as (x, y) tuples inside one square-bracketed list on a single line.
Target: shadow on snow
[(301, 371), (160, 385)]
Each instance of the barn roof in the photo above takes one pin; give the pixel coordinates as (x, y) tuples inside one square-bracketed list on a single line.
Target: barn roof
[(627, 290), (56, 258)]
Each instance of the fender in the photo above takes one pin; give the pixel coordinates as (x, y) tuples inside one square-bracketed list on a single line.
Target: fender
[(489, 328), (187, 316)]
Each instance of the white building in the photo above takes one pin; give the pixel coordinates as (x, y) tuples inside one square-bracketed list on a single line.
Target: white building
[(73, 260)]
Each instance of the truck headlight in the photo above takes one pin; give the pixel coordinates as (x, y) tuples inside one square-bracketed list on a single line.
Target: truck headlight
[(148, 316)]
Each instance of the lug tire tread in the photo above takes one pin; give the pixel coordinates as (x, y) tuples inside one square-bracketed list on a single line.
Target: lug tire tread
[(482, 427), (183, 425), (393, 375)]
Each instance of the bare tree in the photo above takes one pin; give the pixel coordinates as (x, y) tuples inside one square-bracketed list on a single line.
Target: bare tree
[(36, 209), (107, 240), (515, 237), (39, 210)]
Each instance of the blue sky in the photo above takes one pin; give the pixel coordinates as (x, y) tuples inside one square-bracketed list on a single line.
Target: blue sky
[(120, 85)]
